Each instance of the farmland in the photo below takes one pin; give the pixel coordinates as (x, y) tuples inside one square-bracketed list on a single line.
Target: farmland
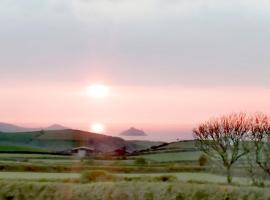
[(166, 171), (181, 176)]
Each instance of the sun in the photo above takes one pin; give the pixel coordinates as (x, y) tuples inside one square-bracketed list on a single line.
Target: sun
[(98, 91), (97, 128)]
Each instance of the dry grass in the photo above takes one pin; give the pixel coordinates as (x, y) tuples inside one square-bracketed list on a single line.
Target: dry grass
[(129, 191)]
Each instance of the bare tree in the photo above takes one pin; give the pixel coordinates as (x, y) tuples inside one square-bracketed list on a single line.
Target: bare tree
[(221, 138), (256, 174), (260, 136)]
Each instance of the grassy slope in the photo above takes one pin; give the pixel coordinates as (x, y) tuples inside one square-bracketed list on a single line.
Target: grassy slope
[(62, 140), (142, 144), (20, 149), (173, 152), (188, 145)]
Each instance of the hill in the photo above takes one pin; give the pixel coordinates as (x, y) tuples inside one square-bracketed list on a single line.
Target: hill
[(5, 127), (143, 144), (180, 151), (64, 140), (184, 145), (55, 127), (11, 128)]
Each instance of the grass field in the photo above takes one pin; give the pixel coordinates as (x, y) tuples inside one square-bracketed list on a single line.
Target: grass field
[(37, 175), (28, 156), (195, 176), (173, 156), (170, 172), (183, 176)]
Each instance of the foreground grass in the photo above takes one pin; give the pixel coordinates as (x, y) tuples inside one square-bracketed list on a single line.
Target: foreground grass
[(128, 191)]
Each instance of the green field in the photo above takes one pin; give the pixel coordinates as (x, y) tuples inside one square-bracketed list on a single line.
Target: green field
[(173, 156), (196, 177), (182, 145), (37, 175), (166, 172)]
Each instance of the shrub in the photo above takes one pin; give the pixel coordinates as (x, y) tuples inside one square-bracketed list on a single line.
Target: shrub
[(140, 161), (179, 196), (89, 162), (201, 195), (97, 175), (165, 178), (203, 160), (149, 196)]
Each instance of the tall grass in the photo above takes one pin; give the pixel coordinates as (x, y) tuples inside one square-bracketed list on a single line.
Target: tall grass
[(128, 191)]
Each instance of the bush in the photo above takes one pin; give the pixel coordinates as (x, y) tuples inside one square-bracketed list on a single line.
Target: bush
[(203, 160), (89, 162), (165, 178), (97, 175), (140, 161)]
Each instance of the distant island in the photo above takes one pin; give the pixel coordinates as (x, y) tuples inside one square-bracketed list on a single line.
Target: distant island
[(133, 132)]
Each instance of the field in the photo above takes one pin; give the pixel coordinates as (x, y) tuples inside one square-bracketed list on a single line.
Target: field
[(181, 176), (162, 172), (173, 156), (37, 176)]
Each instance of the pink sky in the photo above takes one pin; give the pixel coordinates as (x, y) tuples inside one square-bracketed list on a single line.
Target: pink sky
[(169, 64), (154, 109)]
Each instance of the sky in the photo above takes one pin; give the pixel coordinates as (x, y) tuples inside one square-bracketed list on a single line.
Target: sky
[(168, 65)]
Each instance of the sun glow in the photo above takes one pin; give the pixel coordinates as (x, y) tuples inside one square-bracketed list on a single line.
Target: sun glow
[(98, 91), (97, 128)]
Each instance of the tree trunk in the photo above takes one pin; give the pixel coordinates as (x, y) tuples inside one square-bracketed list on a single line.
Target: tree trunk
[(229, 175)]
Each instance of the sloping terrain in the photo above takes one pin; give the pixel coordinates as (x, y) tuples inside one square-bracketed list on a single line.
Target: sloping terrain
[(5, 127), (179, 151), (64, 140), (185, 145), (143, 144), (11, 128), (182, 146)]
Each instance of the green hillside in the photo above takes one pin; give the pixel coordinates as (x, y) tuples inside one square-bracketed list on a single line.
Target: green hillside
[(64, 140), (142, 144), (21, 149), (172, 152)]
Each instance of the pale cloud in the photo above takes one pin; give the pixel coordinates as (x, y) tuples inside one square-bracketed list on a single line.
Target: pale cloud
[(153, 9), (179, 40)]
